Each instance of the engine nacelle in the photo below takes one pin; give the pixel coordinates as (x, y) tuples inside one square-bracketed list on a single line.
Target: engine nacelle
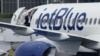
[(35, 48)]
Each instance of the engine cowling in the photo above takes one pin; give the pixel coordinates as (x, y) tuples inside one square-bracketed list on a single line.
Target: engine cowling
[(35, 48)]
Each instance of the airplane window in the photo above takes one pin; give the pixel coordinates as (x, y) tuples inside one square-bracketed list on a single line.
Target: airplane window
[(86, 20), (99, 21), (90, 21), (95, 20)]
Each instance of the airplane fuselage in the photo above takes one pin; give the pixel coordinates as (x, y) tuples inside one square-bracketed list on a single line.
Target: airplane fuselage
[(80, 19)]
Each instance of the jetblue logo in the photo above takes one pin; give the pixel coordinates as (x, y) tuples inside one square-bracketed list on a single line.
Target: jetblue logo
[(62, 18)]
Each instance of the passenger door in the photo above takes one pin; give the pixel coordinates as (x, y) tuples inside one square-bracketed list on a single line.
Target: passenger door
[(16, 15)]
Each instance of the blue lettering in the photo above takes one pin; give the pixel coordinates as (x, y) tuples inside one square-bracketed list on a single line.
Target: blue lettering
[(81, 21), (59, 18), (38, 20), (44, 21), (64, 18), (64, 25), (73, 22), (51, 19)]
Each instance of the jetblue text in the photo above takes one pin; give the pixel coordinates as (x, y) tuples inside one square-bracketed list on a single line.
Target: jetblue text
[(63, 18)]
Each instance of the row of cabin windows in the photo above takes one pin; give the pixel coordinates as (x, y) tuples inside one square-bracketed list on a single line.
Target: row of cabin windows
[(92, 21)]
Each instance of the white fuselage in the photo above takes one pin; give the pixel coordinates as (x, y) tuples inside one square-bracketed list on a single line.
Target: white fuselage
[(80, 19)]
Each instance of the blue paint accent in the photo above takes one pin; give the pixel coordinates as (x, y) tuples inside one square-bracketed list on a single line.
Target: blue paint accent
[(60, 18), (32, 48)]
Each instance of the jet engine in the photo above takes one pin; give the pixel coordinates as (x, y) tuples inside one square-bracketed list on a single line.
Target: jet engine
[(35, 48)]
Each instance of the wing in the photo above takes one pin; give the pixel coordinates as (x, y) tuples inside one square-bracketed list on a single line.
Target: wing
[(56, 36), (11, 26), (19, 29), (53, 35)]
